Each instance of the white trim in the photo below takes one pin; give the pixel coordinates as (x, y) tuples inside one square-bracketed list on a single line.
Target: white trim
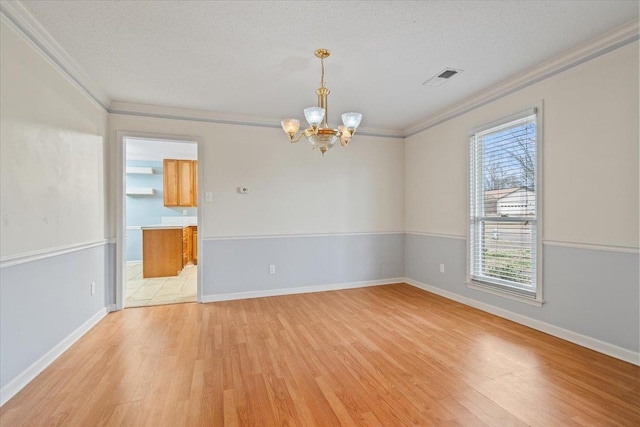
[(121, 228), (540, 138), (519, 117), (24, 258), (600, 45), (285, 236), (19, 17), (299, 290), (195, 115), (536, 109), (24, 378), (592, 246), (446, 236), (546, 242), (565, 334), (493, 290)]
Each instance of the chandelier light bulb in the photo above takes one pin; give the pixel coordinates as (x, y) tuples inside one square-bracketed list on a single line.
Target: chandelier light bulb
[(290, 126), (314, 115), (351, 120)]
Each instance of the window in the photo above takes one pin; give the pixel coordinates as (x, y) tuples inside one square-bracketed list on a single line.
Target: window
[(504, 196)]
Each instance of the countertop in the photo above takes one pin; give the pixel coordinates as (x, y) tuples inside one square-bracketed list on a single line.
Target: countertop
[(167, 226)]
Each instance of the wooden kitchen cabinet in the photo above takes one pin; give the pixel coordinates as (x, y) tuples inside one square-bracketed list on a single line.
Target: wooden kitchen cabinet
[(180, 183), (166, 251), (186, 246), (194, 246), (162, 252)]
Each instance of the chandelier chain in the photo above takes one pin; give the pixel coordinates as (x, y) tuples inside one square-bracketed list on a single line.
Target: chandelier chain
[(322, 75)]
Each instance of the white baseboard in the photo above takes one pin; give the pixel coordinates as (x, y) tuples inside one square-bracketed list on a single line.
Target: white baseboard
[(565, 334), (299, 290), (39, 365)]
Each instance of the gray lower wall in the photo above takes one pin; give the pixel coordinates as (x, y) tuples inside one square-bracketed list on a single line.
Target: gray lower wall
[(593, 292), (242, 265), (43, 301)]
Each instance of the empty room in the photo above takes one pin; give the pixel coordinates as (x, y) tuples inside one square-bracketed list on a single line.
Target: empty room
[(319, 213)]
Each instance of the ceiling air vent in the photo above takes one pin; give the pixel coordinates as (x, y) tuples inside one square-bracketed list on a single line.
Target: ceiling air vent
[(442, 77)]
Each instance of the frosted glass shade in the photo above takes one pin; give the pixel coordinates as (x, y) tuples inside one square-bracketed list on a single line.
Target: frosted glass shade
[(290, 125), (351, 120), (314, 115)]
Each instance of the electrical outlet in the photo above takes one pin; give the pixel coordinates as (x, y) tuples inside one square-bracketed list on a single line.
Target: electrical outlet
[(272, 269), (184, 211), (441, 268), (93, 288)]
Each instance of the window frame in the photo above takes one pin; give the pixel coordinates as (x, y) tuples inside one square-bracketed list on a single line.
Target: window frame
[(496, 289)]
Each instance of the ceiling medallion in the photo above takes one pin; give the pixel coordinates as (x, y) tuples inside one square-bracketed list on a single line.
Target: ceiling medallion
[(319, 134)]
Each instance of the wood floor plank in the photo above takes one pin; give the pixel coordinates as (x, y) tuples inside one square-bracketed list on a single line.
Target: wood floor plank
[(380, 356)]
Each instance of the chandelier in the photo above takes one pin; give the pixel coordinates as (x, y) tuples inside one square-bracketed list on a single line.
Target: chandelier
[(319, 134)]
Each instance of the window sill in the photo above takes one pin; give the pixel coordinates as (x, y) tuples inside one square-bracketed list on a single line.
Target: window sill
[(505, 294)]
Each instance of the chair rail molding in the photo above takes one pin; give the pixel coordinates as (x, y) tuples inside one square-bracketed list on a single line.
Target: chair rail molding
[(24, 258)]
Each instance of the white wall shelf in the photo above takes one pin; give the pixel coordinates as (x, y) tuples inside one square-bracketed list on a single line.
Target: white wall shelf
[(140, 191), (139, 170)]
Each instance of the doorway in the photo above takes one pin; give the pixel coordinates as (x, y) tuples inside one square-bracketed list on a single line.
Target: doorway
[(158, 243)]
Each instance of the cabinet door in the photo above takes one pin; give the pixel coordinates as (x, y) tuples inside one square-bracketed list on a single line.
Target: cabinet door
[(194, 245), (185, 183), (186, 246), (195, 183), (170, 176), (161, 252)]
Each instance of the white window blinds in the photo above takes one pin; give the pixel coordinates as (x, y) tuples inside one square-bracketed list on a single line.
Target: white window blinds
[(504, 212)]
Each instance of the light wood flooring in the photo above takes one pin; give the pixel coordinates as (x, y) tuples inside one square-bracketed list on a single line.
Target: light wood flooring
[(380, 356), (142, 292)]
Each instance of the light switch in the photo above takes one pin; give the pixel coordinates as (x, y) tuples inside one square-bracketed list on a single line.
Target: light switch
[(208, 196)]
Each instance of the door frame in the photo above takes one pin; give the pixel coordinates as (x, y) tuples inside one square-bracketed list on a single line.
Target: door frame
[(121, 271)]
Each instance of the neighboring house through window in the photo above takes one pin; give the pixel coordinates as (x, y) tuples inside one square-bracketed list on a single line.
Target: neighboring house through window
[(504, 200)]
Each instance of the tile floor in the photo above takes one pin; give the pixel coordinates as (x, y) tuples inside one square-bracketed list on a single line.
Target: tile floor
[(159, 290)]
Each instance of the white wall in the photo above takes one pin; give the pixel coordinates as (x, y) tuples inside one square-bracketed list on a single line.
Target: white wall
[(51, 154), (590, 156), (52, 208), (292, 189), (590, 205)]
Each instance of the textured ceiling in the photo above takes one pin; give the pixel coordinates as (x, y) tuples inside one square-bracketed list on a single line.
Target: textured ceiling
[(256, 58)]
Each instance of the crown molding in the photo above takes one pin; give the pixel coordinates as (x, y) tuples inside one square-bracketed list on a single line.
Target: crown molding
[(191, 114), (178, 113), (600, 45), (17, 15), (22, 20)]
